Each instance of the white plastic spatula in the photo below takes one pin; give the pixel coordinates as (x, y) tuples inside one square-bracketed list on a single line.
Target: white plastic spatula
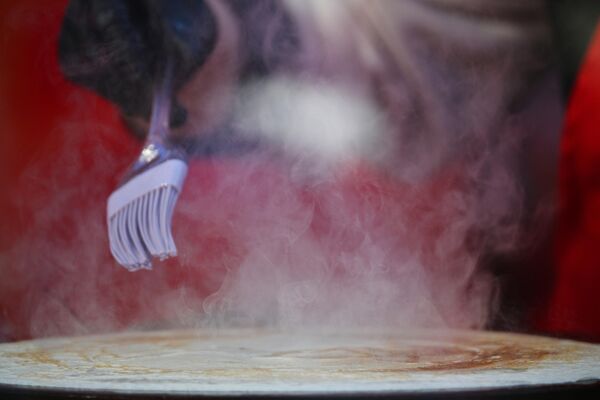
[(140, 211)]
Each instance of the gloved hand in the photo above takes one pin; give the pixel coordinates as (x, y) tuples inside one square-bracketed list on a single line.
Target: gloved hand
[(118, 48)]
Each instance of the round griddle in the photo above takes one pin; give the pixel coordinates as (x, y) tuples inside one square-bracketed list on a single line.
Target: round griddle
[(263, 363)]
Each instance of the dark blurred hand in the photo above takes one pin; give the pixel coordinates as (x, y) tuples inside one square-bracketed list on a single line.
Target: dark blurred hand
[(119, 47)]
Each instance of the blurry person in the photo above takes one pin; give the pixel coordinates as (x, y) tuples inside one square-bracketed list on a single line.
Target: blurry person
[(423, 91)]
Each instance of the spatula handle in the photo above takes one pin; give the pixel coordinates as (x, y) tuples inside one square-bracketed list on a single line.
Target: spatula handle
[(161, 106)]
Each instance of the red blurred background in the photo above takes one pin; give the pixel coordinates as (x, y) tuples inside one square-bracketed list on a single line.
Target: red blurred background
[(35, 104)]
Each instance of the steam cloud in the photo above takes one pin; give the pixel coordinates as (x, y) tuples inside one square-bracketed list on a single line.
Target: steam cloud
[(387, 172)]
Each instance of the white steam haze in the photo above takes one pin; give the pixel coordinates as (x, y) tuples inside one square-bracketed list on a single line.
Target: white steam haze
[(387, 171)]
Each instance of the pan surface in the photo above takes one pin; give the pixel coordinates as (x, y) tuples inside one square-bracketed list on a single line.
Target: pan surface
[(263, 362)]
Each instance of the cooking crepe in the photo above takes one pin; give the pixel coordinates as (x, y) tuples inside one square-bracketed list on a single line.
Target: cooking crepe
[(250, 361)]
